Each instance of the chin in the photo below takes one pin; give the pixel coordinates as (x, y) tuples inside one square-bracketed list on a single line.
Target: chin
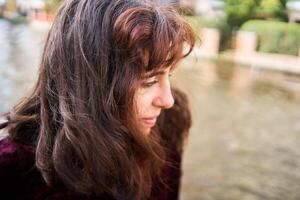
[(147, 131)]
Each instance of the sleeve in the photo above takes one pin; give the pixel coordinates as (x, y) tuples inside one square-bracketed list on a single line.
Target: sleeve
[(8, 166), (8, 159), (16, 166)]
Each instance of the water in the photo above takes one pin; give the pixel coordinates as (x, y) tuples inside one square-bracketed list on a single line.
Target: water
[(20, 49), (245, 140)]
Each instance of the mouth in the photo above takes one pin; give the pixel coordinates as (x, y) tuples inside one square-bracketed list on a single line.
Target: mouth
[(149, 121)]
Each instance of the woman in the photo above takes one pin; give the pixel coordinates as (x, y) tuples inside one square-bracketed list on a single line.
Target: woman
[(88, 130)]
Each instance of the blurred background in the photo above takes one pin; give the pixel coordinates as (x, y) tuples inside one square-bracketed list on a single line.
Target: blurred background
[(242, 80)]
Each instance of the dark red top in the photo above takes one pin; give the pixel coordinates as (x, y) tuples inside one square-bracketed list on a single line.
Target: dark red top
[(20, 179)]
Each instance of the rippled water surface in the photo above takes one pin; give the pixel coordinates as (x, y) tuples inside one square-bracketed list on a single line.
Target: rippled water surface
[(245, 140)]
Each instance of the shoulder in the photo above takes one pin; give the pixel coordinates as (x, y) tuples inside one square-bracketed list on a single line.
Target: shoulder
[(16, 166), (14, 157), (8, 154), (20, 179)]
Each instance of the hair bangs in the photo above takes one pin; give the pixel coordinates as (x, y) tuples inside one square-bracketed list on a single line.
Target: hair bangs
[(153, 38), (172, 39)]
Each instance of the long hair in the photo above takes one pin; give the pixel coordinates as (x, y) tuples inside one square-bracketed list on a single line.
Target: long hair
[(79, 116)]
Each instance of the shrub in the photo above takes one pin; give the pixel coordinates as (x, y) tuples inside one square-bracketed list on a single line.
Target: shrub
[(274, 36)]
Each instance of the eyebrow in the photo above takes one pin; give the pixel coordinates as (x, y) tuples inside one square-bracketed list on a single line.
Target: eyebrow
[(155, 73)]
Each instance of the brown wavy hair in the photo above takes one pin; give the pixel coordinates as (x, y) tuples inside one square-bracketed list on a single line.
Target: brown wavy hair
[(79, 114)]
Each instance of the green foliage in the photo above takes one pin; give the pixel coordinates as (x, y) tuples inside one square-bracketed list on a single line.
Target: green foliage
[(198, 23), (283, 3), (240, 11), (271, 9), (274, 36)]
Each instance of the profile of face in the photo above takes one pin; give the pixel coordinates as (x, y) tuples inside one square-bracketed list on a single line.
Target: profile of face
[(153, 95)]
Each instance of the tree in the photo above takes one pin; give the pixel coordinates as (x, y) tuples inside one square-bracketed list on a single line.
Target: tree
[(274, 9), (239, 11)]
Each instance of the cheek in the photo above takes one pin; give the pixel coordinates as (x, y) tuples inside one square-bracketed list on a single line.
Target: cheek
[(143, 100)]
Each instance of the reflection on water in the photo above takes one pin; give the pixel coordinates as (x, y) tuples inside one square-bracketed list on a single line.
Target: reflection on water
[(245, 139)]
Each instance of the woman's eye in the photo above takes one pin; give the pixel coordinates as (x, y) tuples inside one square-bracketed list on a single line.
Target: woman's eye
[(149, 83)]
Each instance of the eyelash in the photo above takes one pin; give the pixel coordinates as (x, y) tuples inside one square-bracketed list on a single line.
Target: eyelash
[(149, 84)]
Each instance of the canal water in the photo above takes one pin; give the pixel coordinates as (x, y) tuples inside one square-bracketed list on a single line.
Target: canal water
[(245, 140), (20, 50)]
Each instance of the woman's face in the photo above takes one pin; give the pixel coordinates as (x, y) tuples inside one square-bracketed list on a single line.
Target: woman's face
[(153, 95)]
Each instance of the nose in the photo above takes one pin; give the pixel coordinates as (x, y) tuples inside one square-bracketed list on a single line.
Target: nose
[(165, 98)]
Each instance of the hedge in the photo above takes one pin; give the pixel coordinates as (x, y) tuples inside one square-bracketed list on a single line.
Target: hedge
[(275, 36)]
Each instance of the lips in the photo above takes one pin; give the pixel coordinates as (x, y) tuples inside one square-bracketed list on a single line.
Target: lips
[(149, 121)]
